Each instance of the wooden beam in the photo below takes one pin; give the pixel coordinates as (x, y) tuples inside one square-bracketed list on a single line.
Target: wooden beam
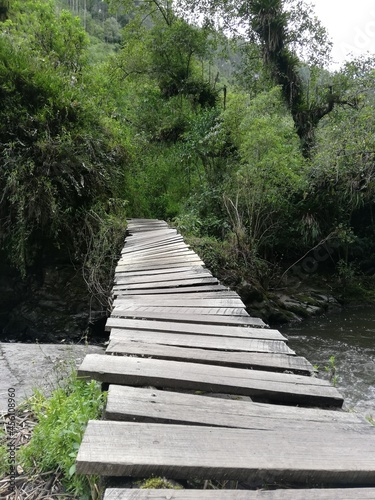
[(286, 494), (191, 318), (152, 405), (263, 385), (201, 341), (196, 329), (297, 456), (253, 360)]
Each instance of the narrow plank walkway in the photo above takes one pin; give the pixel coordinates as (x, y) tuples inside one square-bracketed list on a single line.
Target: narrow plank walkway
[(200, 389)]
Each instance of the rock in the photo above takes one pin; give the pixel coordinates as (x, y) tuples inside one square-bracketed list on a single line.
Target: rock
[(289, 305), (25, 367)]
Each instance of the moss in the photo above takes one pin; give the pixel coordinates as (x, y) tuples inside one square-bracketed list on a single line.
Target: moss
[(158, 483)]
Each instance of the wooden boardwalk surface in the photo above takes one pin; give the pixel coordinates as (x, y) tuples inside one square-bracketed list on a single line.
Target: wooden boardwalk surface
[(200, 389)]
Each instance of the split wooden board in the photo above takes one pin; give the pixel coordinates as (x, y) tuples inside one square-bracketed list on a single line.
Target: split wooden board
[(193, 328), (217, 494), (239, 359), (126, 280), (296, 456), (201, 341), (153, 405), (119, 290), (277, 387), (220, 311), (200, 318)]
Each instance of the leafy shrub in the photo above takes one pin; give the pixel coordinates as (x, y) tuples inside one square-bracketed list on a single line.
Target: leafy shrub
[(62, 420), (57, 158)]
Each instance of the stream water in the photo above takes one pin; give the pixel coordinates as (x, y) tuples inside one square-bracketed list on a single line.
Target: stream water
[(349, 336)]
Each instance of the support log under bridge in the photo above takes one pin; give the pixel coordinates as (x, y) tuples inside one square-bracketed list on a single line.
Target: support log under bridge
[(198, 389)]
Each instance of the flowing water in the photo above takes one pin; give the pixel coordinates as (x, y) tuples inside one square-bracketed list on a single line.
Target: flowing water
[(349, 336)]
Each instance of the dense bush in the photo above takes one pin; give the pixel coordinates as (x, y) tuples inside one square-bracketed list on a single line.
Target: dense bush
[(58, 160)]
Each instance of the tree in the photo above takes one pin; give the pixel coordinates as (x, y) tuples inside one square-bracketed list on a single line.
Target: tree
[(57, 161), (285, 30), (163, 46)]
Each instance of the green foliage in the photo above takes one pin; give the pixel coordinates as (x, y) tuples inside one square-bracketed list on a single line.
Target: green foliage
[(4, 454), (62, 420), (157, 483), (331, 370), (58, 37), (168, 51), (57, 156), (261, 194)]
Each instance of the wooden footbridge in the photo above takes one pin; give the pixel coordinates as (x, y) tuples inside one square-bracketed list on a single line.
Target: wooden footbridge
[(198, 389)]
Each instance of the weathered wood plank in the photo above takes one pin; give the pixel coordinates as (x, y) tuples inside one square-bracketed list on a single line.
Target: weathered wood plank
[(159, 244), (133, 243), (196, 329), (186, 318), (152, 237), (125, 280), (146, 228), (187, 297), (172, 283), (192, 302), (186, 255), (152, 272), (299, 456), (286, 494), (239, 359), (155, 231), (152, 405), (201, 341), (167, 249), (186, 290), (164, 265), (279, 387), (212, 311), (144, 263)]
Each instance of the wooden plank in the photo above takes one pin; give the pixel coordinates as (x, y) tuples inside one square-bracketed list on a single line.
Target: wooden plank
[(172, 283), (201, 341), (163, 265), (187, 297), (135, 259), (238, 359), (124, 280), (185, 290), (185, 258), (186, 318), (196, 329), (176, 451), (286, 494), (157, 231), (279, 387), (192, 257), (158, 244), (171, 247), (120, 310), (191, 302), (161, 241), (132, 226), (157, 254), (151, 272), (152, 405), (165, 250), (152, 237)]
